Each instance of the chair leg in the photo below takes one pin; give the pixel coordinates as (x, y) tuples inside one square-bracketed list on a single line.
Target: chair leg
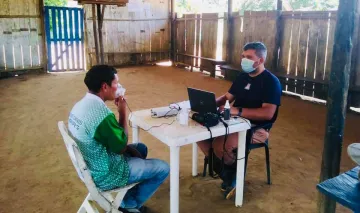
[(268, 164), (86, 207)]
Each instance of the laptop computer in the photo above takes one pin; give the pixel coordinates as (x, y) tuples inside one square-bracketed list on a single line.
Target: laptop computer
[(202, 101)]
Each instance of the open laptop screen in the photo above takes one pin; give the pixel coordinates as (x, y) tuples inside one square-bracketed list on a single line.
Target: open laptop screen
[(202, 101)]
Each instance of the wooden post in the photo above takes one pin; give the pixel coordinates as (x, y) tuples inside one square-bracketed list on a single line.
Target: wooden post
[(278, 36), (337, 98), (44, 50), (354, 59), (229, 46), (97, 53), (173, 32), (87, 60), (100, 20)]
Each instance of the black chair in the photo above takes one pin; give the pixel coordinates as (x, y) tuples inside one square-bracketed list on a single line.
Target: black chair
[(250, 146), (208, 161)]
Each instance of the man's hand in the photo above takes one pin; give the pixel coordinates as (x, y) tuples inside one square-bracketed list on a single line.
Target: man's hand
[(221, 108), (121, 108), (120, 102)]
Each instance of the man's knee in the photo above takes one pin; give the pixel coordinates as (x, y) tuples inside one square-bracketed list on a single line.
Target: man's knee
[(227, 150), (162, 168), (218, 146), (142, 148)]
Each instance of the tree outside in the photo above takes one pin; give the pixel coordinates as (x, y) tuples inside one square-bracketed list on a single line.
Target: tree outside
[(59, 3)]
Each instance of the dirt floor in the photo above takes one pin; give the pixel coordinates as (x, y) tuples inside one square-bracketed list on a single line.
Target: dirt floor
[(37, 174)]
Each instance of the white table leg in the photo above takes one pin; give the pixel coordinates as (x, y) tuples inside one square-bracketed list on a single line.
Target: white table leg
[(240, 169), (135, 133), (194, 160), (174, 178)]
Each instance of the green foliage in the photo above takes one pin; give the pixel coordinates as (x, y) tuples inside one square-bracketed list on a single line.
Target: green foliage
[(59, 3)]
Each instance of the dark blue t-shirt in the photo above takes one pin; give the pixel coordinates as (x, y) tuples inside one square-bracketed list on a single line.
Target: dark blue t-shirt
[(252, 92)]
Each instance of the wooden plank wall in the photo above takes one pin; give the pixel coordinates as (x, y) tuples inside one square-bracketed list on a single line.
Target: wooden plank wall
[(208, 35), (180, 39), (254, 26), (238, 39), (190, 38), (132, 36), (306, 51), (197, 35), (21, 40), (225, 36)]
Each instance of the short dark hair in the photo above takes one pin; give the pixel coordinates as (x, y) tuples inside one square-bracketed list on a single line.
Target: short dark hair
[(97, 75), (259, 47)]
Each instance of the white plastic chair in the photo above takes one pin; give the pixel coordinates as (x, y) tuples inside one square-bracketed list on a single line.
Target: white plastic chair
[(105, 199)]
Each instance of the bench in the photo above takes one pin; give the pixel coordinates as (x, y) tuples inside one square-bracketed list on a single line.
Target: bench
[(344, 189), (208, 64), (230, 71), (308, 85), (130, 58)]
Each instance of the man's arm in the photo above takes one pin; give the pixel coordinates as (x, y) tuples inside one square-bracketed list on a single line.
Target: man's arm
[(111, 135), (123, 124), (121, 107), (220, 101), (266, 112)]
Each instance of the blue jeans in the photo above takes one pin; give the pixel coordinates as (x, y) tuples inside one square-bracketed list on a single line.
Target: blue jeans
[(149, 173)]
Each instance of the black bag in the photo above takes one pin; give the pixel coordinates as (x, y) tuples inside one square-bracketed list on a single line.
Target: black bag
[(207, 119)]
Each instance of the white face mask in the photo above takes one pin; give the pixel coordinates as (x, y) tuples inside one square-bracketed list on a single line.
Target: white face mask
[(247, 65), (120, 90)]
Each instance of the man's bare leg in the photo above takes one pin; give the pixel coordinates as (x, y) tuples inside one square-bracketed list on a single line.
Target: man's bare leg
[(205, 147), (230, 145)]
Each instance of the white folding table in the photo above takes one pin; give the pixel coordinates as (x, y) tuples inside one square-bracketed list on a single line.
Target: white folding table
[(176, 135)]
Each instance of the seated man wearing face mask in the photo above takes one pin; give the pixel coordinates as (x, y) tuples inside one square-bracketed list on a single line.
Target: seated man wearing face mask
[(255, 95), (103, 141)]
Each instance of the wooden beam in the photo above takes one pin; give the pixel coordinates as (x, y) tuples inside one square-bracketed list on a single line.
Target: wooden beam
[(102, 15), (20, 16), (86, 44), (43, 36), (95, 35), (23, 69), (277, 36), (173, 32), (101, 44), (207, 19), (337, 98), (354, 59), (119, 3), (116, 19), (133, 52), (230, 33)]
